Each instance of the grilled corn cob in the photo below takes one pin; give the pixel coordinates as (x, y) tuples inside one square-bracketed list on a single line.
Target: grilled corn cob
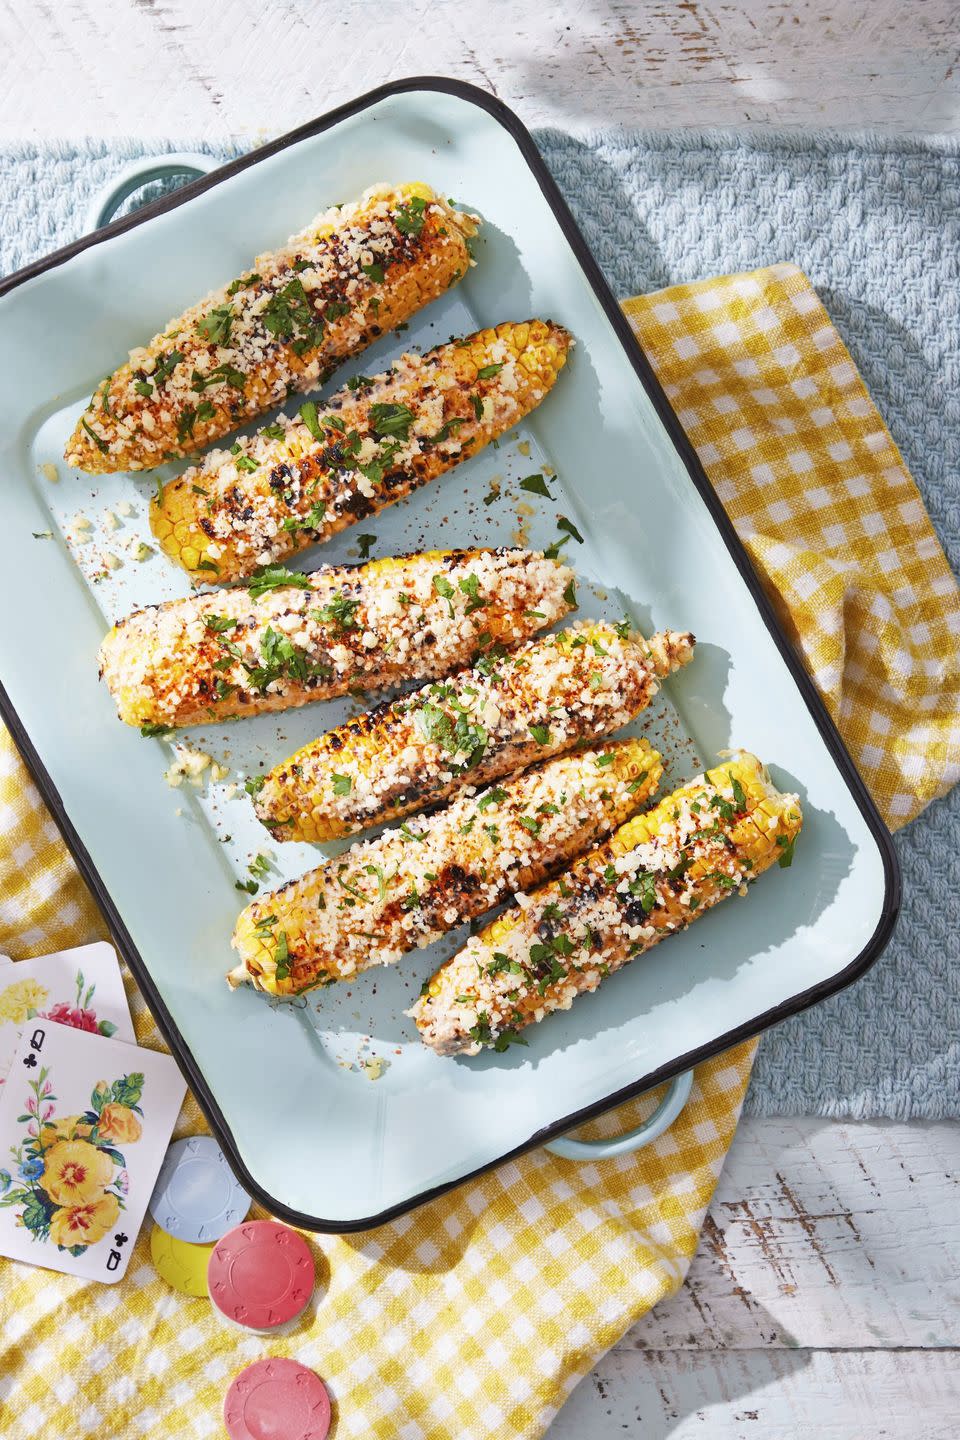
[(288, 638), (406, 888), (506, 713), (653, 877), (300, 481), (353, 273)]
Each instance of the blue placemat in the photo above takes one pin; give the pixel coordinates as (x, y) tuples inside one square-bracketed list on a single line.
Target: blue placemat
[(876, 226)]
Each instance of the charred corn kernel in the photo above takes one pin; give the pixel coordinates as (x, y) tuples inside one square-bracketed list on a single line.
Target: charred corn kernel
[(506, 713), (285, 325), (288, 638), (404, 889), (300, 481), (653, 877)]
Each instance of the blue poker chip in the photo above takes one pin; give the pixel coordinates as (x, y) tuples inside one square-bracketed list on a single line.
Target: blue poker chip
[(196, 1197)]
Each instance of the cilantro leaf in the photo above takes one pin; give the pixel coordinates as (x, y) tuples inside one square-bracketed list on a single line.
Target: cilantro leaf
[(215, 326), (272, 577), (535, 485)]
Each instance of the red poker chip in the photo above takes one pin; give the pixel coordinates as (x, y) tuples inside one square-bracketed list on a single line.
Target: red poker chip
[(277, 1399), (261, 1274)]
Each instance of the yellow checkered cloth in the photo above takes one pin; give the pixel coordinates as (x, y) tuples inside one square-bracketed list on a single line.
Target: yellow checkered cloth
[(474, 1317)]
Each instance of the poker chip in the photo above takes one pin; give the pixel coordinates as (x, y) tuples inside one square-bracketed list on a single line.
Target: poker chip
[(261, 1275), (196, 1197), (182, 1265), (277, 1399)]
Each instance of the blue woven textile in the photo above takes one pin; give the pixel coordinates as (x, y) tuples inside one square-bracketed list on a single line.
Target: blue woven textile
[(876, 226)]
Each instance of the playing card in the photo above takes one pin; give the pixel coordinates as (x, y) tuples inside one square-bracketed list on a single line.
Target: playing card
[(81, 987), (84, 1126)]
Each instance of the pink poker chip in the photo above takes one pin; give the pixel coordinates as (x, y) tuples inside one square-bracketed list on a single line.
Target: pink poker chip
[(277, 1399), (261, 1274)]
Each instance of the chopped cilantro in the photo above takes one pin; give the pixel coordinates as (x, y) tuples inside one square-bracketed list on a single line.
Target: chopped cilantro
[(152, 730), (340, 612), (563, 523), (165, 366), (477, 404), (98, 440), (644, 888), (786, 844), (487, 372), (502, 963), (308, 414), (219, 624), (366, 542), (570, 593), (289, 312), (243, 283), (540, 733), (272, 577), (375, 272), (391, 420), (496, 796), (739, 797), (470, 586), (552, 551), (273, 432), (185, 423), (215, 326), (143, 387), (409, 217), (535, 485), (281, 956)]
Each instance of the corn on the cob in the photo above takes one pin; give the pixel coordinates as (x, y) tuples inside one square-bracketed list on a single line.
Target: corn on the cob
[(653, 877), (279, 644), (406, 888), (506, 713), (300, 481), (353, 273)]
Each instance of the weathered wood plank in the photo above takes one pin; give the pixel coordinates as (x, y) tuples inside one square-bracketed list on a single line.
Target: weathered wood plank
[(824, 1234), (172, 67), (767, 1395)]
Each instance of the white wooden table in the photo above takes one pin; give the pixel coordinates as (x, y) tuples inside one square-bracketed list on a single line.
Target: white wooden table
[(824, 1299)]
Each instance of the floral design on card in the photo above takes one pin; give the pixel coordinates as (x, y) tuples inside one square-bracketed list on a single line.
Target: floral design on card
[(24, 1000), (71, 1177)]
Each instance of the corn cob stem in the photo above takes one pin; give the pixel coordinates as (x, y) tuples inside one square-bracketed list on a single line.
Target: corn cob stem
[(300, 481), (354, 273), (655, 876), (243, 652), (506, 713), (401, 891)]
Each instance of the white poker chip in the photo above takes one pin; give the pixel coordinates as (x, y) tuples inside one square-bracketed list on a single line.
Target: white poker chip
[(197, 1198)]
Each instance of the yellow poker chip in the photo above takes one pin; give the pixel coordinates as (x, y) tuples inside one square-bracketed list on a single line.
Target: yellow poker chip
[(182, 1265)]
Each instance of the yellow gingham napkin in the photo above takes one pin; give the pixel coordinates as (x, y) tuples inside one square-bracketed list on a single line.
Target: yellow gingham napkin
[(474, 1317)]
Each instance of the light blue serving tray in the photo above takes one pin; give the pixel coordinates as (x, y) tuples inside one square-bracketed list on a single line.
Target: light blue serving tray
[(284, 1086)]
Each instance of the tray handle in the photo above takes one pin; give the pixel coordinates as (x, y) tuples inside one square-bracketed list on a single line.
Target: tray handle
[(678, 1093), (107, 201)]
